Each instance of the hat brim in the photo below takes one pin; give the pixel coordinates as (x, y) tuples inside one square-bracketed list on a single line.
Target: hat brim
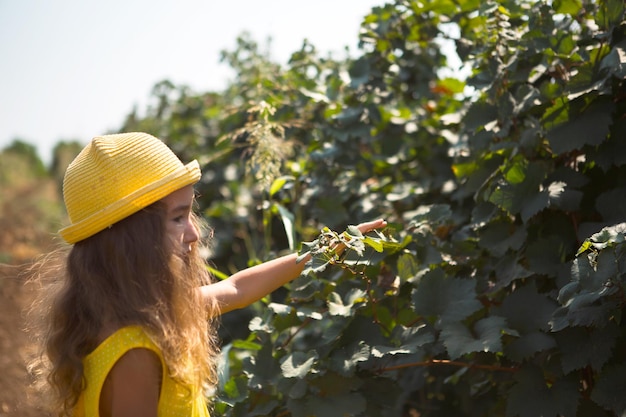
[(132, 203)]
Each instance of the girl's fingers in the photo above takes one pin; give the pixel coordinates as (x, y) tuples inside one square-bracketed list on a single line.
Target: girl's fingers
[(375, 224)]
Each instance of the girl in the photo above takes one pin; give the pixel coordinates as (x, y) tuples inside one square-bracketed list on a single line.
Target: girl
[(131, 329)]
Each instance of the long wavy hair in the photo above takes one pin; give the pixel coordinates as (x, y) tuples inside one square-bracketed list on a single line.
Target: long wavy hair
[(126, 275)]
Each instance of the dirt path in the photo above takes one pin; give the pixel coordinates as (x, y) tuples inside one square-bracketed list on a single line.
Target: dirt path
[(17, 398), (25, 232)]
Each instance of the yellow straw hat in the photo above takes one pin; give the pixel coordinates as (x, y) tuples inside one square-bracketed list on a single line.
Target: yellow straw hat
[(117, 175)]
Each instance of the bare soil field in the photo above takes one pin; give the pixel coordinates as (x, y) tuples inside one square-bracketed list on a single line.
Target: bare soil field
[(24, 234), (17, 398)]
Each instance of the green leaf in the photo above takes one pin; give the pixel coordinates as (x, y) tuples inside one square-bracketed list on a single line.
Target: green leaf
[(534, 204), (287, 218), (439, 7), (451, 85), (257, 324), (609, 236), (431, 215), (299, 389), (614, 62), (315, 265), (331, 331), (359, 72), (307, 248), (504, 196), (308, 312), (391, 246), (508, 269), (279, 183), (526, 310), (353, 231), (407, 266), (464, 170), (531, 396), (361, 328), (610, 13), (582, 347), (304, 288), (587, 299), (546, 255), (298, 364), (262, 367), (353, 242), (236, 390), (342, 405), (568, 291), (331, 395), (280, 309), (596, 277), (264, 408), (516, 173), (612, 152), (527, 196), (374, 243), (572, 125), (345, 361), (609, 389), (383, 351), (217, 273), (585, 313), (450, 299), (414, 338), (611, 204), (562, 197), (571, 7), (564, 44), (485, 336), (527, 345), (500, 236), (315, 96), (246, 345), (480, 114), (339, 307)]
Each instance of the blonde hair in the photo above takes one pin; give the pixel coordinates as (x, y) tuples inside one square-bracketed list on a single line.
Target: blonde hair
[(121, 276)]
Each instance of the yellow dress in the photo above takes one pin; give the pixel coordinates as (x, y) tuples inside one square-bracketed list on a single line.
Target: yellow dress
[(175, 399)]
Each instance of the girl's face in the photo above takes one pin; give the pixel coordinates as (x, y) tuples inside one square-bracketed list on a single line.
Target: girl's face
[(179, 228)]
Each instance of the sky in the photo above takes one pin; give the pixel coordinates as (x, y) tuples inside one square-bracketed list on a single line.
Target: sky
[(73, 69)]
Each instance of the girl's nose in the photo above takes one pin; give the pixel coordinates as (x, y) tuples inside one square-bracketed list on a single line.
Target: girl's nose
[(191, 233)]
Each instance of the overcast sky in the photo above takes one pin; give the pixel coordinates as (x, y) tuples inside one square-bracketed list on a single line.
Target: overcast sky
[(73, 69)]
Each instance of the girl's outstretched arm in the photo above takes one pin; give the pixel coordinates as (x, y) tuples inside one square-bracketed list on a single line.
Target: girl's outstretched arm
[(252, 284)]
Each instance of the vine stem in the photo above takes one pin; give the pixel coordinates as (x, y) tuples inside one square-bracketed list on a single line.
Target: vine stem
[(449, 363), (291, 336)]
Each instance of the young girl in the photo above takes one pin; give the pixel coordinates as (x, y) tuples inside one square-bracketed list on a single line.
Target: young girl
[(131, 328)]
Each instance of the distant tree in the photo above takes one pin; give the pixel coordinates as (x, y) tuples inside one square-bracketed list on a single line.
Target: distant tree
[(62, 154), (29, 153)]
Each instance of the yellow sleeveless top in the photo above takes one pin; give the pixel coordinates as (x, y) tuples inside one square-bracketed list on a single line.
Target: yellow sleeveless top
[(175, 399)]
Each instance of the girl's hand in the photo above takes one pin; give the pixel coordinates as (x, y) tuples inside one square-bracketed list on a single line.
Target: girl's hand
[(363, 228), (369, 226)]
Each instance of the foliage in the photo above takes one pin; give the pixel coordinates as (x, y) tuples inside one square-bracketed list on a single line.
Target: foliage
[(498, 288), (20, 163), (62, 155), (30, 209)]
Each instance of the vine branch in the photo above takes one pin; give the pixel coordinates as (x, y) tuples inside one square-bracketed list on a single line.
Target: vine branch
[(449, 363)]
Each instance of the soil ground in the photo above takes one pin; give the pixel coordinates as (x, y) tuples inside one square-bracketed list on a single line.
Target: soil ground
[(17, 398), (24, 234)]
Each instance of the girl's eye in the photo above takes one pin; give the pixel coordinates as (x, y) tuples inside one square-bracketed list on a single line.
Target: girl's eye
[(178, 219)]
